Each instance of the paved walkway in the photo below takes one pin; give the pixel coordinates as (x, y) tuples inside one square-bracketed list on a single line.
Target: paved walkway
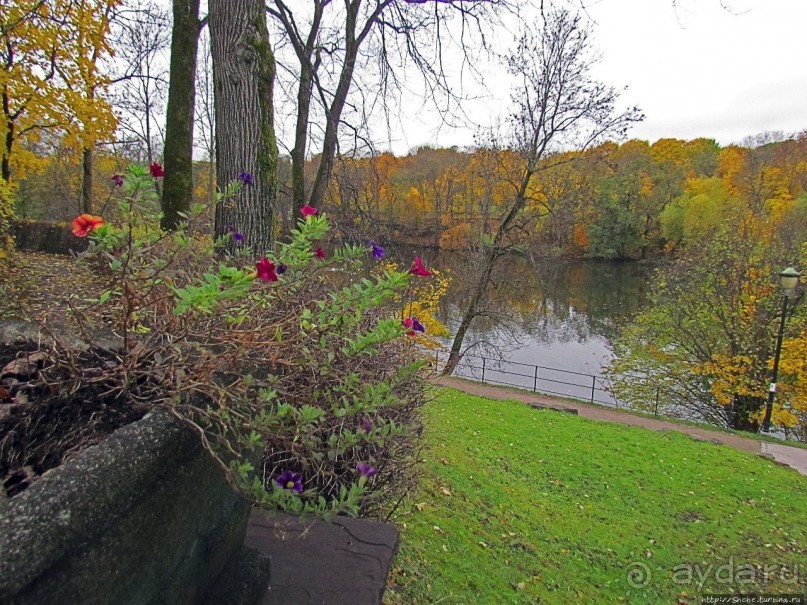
[(785, 455)]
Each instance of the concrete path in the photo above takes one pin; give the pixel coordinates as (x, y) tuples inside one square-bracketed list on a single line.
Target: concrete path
[(785, 455)]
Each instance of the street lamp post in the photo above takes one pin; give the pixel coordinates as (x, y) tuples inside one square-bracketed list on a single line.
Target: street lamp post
[(789, 279)]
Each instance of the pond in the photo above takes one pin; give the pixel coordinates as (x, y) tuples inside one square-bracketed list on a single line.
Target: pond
[(560, 315)]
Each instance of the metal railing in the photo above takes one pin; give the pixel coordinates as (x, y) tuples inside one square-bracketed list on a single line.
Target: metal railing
[(581, 386), (540, 376)]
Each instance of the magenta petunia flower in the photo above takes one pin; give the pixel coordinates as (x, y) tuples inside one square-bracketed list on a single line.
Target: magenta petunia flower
[(290, 480), (156, 170), (266, 270), (117, 179), (366, 470), (319, 253), (307, 211), (409, 325), (246, 178), (376, 251), (417, 268)]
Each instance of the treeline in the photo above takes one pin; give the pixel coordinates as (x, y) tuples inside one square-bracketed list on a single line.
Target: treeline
[(628, 201)]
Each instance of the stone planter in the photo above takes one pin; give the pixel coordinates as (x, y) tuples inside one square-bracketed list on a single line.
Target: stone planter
[(146, 516)]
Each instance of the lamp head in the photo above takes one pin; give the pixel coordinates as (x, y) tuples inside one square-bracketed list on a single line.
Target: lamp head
[(789, 278)]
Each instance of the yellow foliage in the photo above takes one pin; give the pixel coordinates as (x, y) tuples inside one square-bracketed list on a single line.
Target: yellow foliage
[(422, 301), (731, 377), (6, 214), (49, 74), (425, 301), (456, 237)]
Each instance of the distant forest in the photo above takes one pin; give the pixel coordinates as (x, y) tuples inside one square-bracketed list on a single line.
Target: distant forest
[(630, 201)]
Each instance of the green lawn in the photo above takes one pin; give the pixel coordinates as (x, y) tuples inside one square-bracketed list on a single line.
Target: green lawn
[(526, 506)]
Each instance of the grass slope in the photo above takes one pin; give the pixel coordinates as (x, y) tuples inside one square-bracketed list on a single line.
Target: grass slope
[(525, 506)]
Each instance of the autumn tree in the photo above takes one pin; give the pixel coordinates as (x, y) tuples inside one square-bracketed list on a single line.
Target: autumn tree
[(557, 103), (49, 79), (706, 341)]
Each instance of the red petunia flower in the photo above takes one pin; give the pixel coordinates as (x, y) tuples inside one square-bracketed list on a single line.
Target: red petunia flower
[(408, 323), (307, 211), (156, 170), (85, 223), (418, 268), (266, 270), (319, 253)]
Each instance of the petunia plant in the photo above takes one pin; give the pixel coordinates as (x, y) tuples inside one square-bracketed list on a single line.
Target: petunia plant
[(295, 367)]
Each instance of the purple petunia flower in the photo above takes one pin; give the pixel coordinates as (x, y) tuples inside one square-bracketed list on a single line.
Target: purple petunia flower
[(366, 425), (417, 326), (281, 269), (291, 480), (239, 237), (366, 470), (377, 251), (228, 228), (118, 180), (246, 178)]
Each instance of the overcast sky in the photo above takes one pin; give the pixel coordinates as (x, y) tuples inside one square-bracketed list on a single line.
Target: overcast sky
[(695, 69)]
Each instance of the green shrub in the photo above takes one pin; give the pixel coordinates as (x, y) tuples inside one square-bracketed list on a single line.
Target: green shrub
[(296, 371)]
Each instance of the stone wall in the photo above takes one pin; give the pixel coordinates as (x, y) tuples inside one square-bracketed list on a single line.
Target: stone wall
[(46, 236), (145, 517)]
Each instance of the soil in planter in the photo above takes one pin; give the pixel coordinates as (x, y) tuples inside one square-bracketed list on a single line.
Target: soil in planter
[(45, 422)]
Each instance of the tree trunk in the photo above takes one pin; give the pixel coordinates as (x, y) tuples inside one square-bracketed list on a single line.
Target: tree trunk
[(301, 134), (470, 312), (177, 194), (243, 78), (9, 142), (87, 181)]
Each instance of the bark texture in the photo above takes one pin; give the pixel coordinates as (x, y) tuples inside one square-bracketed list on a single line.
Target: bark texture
[(87, 164), (177, 193), (243, 79)]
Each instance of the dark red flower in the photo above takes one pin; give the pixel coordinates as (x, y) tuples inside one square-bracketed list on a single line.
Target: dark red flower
[(156, 170), (418, 268), (117, 179), (85, 223), (307, 211), (266, 270), (319, 253)]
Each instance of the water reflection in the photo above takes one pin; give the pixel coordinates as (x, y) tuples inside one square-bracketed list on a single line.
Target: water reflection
[(560, 314)]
